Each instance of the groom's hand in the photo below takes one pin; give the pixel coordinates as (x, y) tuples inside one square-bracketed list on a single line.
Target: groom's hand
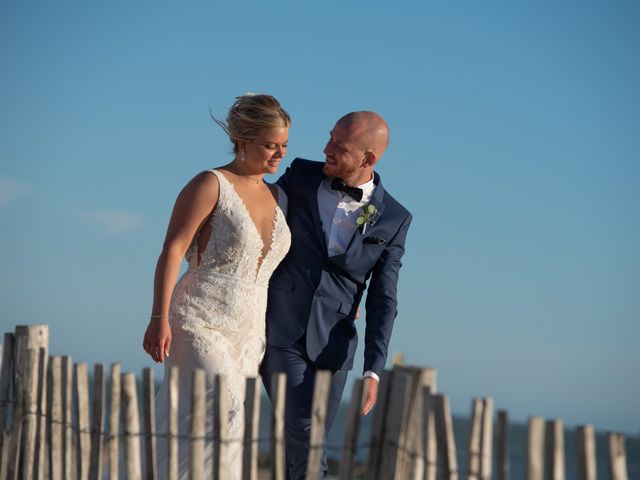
[(369, 394)]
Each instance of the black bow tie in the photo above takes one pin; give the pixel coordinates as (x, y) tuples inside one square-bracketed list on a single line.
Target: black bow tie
[(353, 192)]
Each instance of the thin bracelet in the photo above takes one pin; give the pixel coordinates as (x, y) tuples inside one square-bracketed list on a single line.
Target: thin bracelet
[(161, 315)]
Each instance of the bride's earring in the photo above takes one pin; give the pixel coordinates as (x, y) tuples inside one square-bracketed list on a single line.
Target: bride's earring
[(242, 155)]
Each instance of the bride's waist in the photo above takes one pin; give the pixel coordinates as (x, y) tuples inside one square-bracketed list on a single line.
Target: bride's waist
[(215, 276)]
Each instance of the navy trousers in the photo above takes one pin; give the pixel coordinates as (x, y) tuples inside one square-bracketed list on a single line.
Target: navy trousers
[(300, 372)]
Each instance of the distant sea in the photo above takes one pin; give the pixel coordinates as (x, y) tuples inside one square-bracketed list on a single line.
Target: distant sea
[(518, 434)]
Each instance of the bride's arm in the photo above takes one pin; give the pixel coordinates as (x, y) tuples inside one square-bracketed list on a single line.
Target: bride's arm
[(191, 210)]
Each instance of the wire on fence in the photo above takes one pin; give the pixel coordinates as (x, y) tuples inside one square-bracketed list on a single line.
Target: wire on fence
[(412, 453)]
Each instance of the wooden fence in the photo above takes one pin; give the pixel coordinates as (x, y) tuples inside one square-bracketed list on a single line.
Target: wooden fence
[(52, 431)]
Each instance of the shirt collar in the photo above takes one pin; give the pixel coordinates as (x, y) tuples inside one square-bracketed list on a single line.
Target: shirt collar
[(367, 189)]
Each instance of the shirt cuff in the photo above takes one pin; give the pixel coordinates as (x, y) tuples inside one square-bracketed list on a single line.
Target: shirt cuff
[(370, 374)]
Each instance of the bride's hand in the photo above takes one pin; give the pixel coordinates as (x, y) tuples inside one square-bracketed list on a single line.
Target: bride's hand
[(157, 339)]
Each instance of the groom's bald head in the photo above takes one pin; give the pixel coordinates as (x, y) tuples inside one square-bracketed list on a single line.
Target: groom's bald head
[(358, 140), (368, 129)]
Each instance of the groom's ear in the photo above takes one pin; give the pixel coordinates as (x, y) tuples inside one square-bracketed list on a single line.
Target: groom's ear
[(369, 159)]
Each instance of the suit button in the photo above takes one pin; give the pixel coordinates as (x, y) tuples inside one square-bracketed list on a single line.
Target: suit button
[(318, 293)]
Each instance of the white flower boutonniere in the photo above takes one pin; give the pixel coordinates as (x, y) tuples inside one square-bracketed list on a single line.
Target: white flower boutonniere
[(368, 216)]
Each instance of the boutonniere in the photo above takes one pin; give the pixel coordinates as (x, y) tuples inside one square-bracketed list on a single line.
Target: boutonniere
[(368, 216)]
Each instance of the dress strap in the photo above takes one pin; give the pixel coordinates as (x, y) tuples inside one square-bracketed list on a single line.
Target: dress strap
[(222, 181), (215, 172)]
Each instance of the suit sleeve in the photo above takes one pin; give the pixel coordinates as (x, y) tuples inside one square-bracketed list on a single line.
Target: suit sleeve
[(381, 304), (285, 179)]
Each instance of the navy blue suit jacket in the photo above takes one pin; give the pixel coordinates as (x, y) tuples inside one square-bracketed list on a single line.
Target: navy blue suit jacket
[(317, 294)]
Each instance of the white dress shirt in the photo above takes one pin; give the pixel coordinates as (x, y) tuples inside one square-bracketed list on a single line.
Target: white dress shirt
[(338, 214)]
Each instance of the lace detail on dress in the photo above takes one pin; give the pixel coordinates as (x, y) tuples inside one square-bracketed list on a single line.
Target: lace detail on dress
[(217, 312)]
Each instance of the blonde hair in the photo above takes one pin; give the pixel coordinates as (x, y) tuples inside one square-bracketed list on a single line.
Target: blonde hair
[(250, 114)]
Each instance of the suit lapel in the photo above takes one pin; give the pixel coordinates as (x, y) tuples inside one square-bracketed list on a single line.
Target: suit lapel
[(356, 240), (311, 192), (378, 202)]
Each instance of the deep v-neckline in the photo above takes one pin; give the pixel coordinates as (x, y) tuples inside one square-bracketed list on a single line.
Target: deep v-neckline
[(263, 254)]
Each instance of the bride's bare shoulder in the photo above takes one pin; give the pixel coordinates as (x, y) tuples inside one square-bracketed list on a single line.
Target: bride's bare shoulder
[(204, 186), (206, 179)]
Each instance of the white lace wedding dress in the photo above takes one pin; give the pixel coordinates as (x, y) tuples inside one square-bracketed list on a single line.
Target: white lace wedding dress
[(217, 318)]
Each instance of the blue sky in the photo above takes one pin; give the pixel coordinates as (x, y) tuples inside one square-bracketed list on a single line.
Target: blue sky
[(514, 141)]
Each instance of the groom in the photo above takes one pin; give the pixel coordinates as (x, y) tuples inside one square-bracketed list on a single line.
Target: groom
[(346, 231)]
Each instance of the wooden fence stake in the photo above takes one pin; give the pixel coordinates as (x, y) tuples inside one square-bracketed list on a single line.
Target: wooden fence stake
[(502, 442), (115, 394), (318, 422), (279, 391), (554, 450), (414, 465), (351, 432), (429, 434), (131, 426), (475, 432), (56, 417), (67, 417), (251, 429), (391, 466), (586, 453), (149, 401), (377, 428), (16, 423), (198, 418), (30, 337), (30, 423), (617, 456), (534, 452), (221, 428), (172, 434), (448, 464), (82, 412), (97, 423), (42, 436), (4, 454), (430, 438), (486, 439), (5, 379)]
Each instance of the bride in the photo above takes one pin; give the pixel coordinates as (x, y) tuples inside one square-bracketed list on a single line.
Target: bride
[(231, 226)]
